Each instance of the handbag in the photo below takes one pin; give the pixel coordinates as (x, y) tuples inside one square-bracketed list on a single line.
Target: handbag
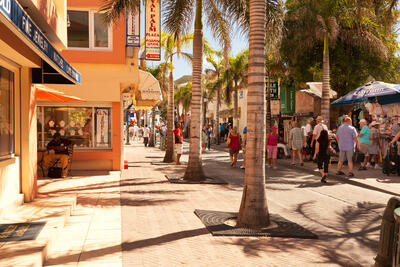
[(228, 140), (54, 171)]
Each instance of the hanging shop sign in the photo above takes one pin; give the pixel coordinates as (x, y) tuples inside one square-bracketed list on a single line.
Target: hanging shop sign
[(133, 28), (20, 19), (274, 88), (153, 30)]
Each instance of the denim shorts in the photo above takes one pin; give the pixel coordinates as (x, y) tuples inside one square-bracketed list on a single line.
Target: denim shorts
[(346, 155)]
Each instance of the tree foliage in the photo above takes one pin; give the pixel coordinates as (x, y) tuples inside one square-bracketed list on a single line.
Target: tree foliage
[(362, 41)]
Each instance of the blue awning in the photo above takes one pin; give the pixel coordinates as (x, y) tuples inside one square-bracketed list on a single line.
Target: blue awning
[(20, 22)]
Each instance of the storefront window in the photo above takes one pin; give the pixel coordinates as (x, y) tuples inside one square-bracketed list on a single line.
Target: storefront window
[(6, 113), (86, 127)]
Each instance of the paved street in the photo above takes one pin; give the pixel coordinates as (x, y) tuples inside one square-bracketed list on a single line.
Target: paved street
[(159, 227)]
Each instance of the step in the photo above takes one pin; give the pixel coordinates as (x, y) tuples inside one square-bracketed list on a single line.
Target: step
[(54, 210)]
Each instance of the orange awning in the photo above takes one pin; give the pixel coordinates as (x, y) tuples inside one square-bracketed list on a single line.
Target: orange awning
[(47, 94)]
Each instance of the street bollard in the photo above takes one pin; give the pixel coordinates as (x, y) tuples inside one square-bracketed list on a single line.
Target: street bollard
[(387, 235), (396, 250)]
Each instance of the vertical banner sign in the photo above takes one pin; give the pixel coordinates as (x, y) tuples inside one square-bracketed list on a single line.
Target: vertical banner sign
[(102, 127), (153, 30), (133, 28)]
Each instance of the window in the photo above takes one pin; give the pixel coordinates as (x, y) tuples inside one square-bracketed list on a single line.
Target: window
[(6, 113), (86, 127), (87, 31)]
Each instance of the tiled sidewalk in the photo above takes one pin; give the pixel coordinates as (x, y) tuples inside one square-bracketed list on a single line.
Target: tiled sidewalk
[(83, 220)]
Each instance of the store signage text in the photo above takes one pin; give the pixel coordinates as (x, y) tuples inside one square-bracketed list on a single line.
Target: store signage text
[(22, 21), (153, 30), (133, 28), (5, 6)]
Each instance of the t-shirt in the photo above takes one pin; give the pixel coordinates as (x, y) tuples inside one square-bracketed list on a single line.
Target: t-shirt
[(245, 132), (272, 140), (318, 129), (365, 138), (146, 132), (346, 135), (53, 144), (374, 133), (308, 129), (395, 128), (221, 128), (178, 136)]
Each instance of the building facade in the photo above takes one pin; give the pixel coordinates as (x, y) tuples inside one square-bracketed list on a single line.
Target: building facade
[(32, 34)]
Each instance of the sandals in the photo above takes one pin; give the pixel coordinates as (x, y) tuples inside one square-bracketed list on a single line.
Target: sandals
[(340, 173), (323, 179), (350, 174)]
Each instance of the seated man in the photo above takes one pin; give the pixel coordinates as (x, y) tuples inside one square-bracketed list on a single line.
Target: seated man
[(60, 147)]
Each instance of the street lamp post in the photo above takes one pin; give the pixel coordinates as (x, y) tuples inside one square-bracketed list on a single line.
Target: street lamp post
[(127, 127), (205, 111)]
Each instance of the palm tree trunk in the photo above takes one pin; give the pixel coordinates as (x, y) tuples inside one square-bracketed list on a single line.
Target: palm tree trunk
[(325, 101), (236, 106), (169, 148), (217, 114), (253, 212), (194, 170), (269, 115)]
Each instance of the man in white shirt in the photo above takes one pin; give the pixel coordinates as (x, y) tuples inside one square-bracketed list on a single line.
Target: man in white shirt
[(146, 135), (318, 128), (308, 129)]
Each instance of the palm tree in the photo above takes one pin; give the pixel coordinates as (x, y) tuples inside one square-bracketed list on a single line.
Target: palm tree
[(183, 97), (178, 14), (253, 212), (233, 76), (171, 44), (214, 82), (312, 23)]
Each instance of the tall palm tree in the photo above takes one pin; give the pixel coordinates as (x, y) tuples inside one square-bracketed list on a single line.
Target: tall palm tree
[(233, 76), (253, 212), (214, 82), (315, 23), (178, 17), (171, 44)]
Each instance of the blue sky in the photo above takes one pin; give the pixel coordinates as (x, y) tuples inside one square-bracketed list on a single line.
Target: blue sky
[(181, 66)]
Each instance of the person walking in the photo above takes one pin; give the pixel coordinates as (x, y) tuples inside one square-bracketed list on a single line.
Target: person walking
[(296, 142), (210, 135), (272, 146), (363, 140), (135, 132), (146, 135), (322, 155), (178, 142), (346, 137), (233, 145), (221, 133), (373, 148), (204, 139)]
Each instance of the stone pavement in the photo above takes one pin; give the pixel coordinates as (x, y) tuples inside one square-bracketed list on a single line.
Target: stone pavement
[(160, 229), (83, 218), (140, 219)]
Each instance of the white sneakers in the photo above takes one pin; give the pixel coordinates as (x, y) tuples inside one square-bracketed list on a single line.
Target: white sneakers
[(377, 167), (368, 165)]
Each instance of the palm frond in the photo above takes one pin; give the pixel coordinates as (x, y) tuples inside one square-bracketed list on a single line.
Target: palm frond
[(114, 9), (178, 15)]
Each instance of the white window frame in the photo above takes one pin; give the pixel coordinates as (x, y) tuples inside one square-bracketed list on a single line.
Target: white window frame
[(42, 104), (91, 34)]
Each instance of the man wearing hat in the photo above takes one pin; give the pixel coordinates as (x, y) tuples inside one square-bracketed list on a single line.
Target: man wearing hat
[(318, 128), (373, 148), (363, 140), (58, 150)]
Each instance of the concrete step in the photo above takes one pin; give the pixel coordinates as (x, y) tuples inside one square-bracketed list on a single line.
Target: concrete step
[(54, 210)]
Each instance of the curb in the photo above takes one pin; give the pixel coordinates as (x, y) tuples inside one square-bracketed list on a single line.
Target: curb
[(339, 178)]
